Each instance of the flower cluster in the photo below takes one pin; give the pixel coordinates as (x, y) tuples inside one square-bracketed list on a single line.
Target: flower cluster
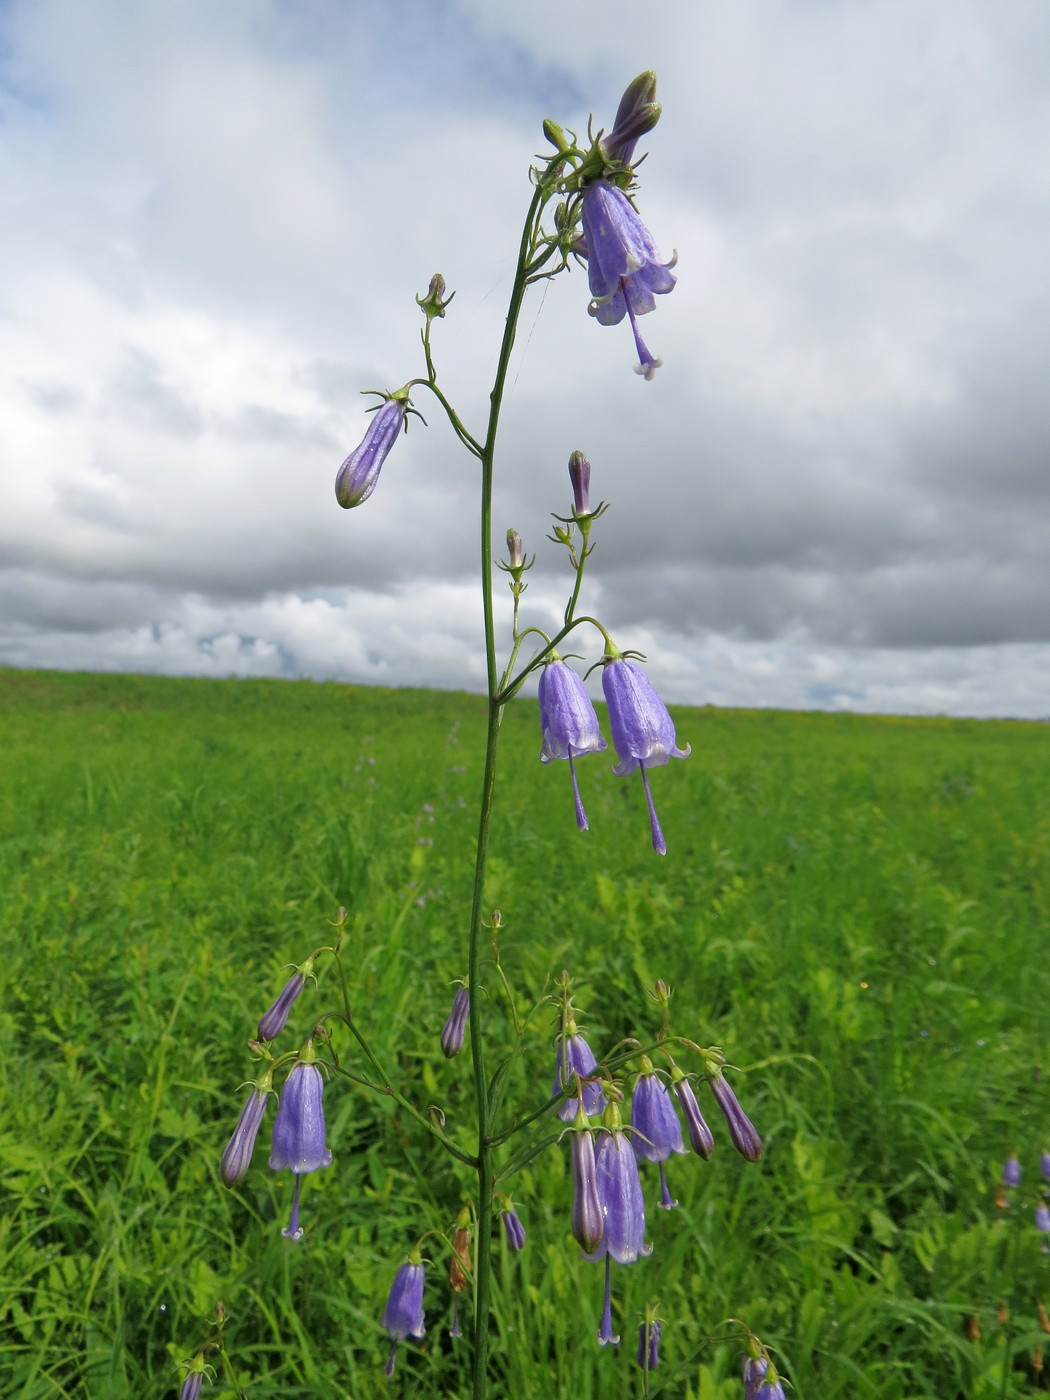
[(1010, 1180)]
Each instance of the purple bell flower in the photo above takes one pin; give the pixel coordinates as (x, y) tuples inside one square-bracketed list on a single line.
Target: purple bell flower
[(1044, 1165), (1011, 1172), (648, 1356), (746, 1141), (588, 1220), (701, 1139), (770, 1390), (620, 1194), (298, 1132), (357, 477), (273, 1021), (568, 723), (404, 1308), (455, 1026), (1042, 1219), (624, 270), (623, 1207), (513, 1229), (237, 1157), (575, 1057), (642, 729), (657, 1131)]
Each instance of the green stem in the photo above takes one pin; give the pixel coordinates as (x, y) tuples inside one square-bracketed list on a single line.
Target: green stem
[(485, 1166)]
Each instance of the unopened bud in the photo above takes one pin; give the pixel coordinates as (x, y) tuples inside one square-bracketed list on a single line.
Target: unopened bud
[(580, 476), (555, 135), (455, 1026), (434, 301)]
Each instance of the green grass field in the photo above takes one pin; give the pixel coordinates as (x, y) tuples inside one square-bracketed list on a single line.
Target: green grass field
[(854, 908)]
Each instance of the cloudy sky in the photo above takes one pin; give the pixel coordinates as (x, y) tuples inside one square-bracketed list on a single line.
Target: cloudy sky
[(214, 219)]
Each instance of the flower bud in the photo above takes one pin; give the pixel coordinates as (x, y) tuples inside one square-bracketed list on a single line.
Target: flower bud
[(275, 1018), (515, 553), (580, 476), (648, 1356), (513, 1229), (1011, 1172), (555, 135), (455, 1026), (701, 1139), (237, 1157), (746, 1141), (431, 303), (588, 1220)]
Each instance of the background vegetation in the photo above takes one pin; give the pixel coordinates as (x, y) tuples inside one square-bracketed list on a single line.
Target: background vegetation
[(854, 908)]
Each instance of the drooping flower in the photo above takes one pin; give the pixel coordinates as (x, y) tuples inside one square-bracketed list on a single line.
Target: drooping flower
[(575, 1059), (623, 1209), (1011, 1172), (568, 722), (1042, 1219), (404, 1308), (642, 729), (191, 1385), (701, 1139), (513, 1229), (624, 270), (274, 1019), (1044, 1165), (657, 1131), (357, 477), (298, 1131), (588, 1219), (742, 1131), (237, 1156), (455, 1026)]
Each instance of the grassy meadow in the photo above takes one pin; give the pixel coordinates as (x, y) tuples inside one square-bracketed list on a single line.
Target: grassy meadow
[(854, 908)]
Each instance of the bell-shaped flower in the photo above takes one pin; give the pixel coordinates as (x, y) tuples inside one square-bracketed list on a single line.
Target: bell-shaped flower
[(357, 477), (237, 1156), (455, 1027), (298, 1140), (642, 729), (194, 1379), (1011, 1172), (404, 1308), (657, 1131), (624, 270), (575, 1060), (568, 722), (753, 1369), (623, 1209), (742, 1131)]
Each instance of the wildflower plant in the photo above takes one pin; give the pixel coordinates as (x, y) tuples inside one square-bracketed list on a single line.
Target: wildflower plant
[(613, 1110)]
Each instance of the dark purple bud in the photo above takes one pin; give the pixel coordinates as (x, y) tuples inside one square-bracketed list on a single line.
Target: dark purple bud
[(513, 1229), (623, 267), (576, 1059), (1042, 1219), (642, 729), (637, 113), (298, 1140), (273, 1021), (237, 1157), (701, 1139), (622, 1202), (588, 1221), (568, 723), (1011, 1172), (580, 476), (404, 1308), (455, 1026), (746, 1141), (648, 1357), (191, 1386), (358, 475)]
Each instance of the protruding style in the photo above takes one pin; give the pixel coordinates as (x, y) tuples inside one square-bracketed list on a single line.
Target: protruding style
[(404, 1308), (642, 729), (568, 723)]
